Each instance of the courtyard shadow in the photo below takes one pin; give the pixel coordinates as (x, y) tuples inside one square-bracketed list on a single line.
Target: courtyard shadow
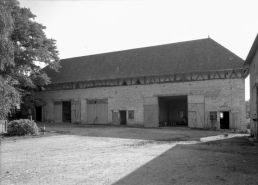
[(231, 161)]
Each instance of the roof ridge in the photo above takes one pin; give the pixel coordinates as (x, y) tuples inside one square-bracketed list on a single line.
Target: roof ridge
[(145, 47)]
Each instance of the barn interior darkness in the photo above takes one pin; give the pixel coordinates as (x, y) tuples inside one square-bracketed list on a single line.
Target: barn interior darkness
[(66, 111), (224, 120), (173, 111), (38, 113)]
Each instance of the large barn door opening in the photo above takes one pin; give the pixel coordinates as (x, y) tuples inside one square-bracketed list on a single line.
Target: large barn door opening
[(196, 111), (173, 111), (97, 111), (150, 115), (58, 115), (76, 111)]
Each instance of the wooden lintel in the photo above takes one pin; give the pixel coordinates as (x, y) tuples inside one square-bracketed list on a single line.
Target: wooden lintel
[(183, 77), (110, 83), (98, 82), (77, 85), (152, 78), (167, 77), (199, 74), (233, 72), (225, 74), (216, 73)]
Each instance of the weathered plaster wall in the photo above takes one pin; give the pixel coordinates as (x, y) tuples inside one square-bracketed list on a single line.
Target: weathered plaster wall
[(218, 93), (253, 95)]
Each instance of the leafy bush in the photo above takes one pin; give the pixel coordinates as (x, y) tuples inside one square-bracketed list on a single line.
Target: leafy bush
[(22, 127)]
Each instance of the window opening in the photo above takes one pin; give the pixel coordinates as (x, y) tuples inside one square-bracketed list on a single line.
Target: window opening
[(131, 114)]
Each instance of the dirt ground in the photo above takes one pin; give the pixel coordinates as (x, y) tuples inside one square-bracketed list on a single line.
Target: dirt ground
[(121, 155)]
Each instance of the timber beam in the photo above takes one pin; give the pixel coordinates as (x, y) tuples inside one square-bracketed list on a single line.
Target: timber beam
[(151, 79)]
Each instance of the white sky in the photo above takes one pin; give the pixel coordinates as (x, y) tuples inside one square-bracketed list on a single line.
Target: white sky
[(96, 26)]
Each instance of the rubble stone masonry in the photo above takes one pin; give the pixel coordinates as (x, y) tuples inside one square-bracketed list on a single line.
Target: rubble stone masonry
[(218, 93)]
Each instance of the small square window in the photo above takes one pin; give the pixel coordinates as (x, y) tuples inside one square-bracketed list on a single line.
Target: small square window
[(131, 114), (213, 116)]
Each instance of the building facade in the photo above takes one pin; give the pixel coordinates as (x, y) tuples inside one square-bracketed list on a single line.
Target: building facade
[(252, 63), (199, 84)]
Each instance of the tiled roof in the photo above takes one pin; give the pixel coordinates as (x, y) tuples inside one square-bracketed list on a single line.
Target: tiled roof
[(182, 57)]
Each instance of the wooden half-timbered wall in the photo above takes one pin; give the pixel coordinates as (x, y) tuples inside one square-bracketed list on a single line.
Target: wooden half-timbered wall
[(153, 79)]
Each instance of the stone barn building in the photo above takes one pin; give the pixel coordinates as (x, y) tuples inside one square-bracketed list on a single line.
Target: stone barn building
[(252, 63), (198, 84)]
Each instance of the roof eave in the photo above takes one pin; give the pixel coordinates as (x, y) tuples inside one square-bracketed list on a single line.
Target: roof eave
[(252, 52)]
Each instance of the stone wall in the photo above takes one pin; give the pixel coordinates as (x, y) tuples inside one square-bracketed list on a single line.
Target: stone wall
[(253, 95), (218, 93)]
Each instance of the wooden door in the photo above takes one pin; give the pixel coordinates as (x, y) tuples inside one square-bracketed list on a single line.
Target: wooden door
[(192, 122), (196, 104), (58, 112), (150, 115), (76, 111), (102, 112), (115, 116), (91, 111), (97, 111)]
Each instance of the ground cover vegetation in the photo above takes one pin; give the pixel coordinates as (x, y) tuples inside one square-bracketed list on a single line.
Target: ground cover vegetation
[(22, 127)]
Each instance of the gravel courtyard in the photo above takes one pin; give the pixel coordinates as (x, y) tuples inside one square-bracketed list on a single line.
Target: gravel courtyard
[(122, 155)]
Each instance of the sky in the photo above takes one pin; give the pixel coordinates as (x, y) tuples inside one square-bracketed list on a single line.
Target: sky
[(84, 27)]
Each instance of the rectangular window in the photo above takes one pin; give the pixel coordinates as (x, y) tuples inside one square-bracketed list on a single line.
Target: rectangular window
[(213, 116), (130, 114)]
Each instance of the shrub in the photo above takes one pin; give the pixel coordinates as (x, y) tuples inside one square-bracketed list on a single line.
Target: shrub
[(22, 127)]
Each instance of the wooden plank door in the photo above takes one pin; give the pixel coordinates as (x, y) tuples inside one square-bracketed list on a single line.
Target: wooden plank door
[(97, 111), (150, 113), (91, 112), (115, 116), (76, 111), (192, 121), (102, 112), (196, 104), (58, 115)]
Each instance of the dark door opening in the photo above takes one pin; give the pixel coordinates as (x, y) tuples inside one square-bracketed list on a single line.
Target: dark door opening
[(173, 111), (122, 117), (38, 113), (224, 120), (66, 111)]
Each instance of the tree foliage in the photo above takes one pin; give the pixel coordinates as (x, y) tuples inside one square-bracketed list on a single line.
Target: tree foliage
[(9, 96), (23, 45)]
